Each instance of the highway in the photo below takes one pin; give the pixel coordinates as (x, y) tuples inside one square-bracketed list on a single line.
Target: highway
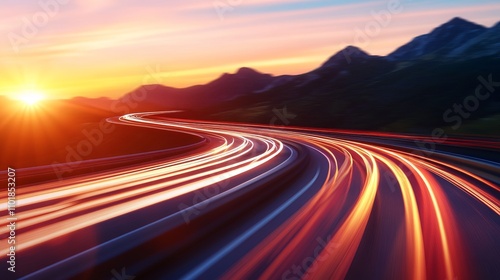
[(258, 202)]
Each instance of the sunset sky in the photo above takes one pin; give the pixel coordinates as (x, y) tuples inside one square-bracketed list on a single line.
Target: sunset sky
[(109, 47)]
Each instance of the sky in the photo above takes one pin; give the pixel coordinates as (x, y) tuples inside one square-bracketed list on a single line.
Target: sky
[(94, 48)]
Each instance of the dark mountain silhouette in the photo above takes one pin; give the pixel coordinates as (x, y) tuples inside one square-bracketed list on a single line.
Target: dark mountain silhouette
[(346, 55), (486, 43), (411, 89), (441, 41), (227, 87)]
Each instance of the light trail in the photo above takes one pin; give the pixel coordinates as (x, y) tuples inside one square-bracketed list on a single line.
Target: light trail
[(290, 189)]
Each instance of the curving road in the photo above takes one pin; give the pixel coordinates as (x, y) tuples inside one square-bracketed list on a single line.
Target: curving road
[(264, 203)]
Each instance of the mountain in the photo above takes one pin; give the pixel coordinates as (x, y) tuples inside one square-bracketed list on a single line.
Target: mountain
[(487, 43), (346, 55), (356, 90), (378, 94), (417, 88), (337, 67), (244, 81), (441, 41), (225, 88)]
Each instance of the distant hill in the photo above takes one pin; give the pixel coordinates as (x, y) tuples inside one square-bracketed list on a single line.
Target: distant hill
[(226, 88)]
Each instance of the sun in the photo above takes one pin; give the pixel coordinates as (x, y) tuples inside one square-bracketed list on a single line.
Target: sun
[(31, 97)]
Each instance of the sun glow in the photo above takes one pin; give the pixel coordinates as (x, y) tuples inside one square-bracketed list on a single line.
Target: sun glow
[(30, 97)]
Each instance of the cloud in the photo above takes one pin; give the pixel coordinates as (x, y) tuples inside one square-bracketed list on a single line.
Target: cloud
[(113, 38)]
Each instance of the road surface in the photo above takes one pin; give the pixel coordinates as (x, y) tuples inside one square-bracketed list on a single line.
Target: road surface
[(254, 202)]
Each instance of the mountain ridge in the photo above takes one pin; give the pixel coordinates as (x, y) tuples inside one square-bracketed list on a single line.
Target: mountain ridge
[(440, 40), (353, 89)]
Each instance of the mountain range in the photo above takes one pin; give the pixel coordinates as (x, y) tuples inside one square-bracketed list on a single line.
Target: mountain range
[(412, 89)]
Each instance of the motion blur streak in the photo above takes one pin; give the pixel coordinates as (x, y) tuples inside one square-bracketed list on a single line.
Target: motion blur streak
[(258, 202), (414, 243)]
